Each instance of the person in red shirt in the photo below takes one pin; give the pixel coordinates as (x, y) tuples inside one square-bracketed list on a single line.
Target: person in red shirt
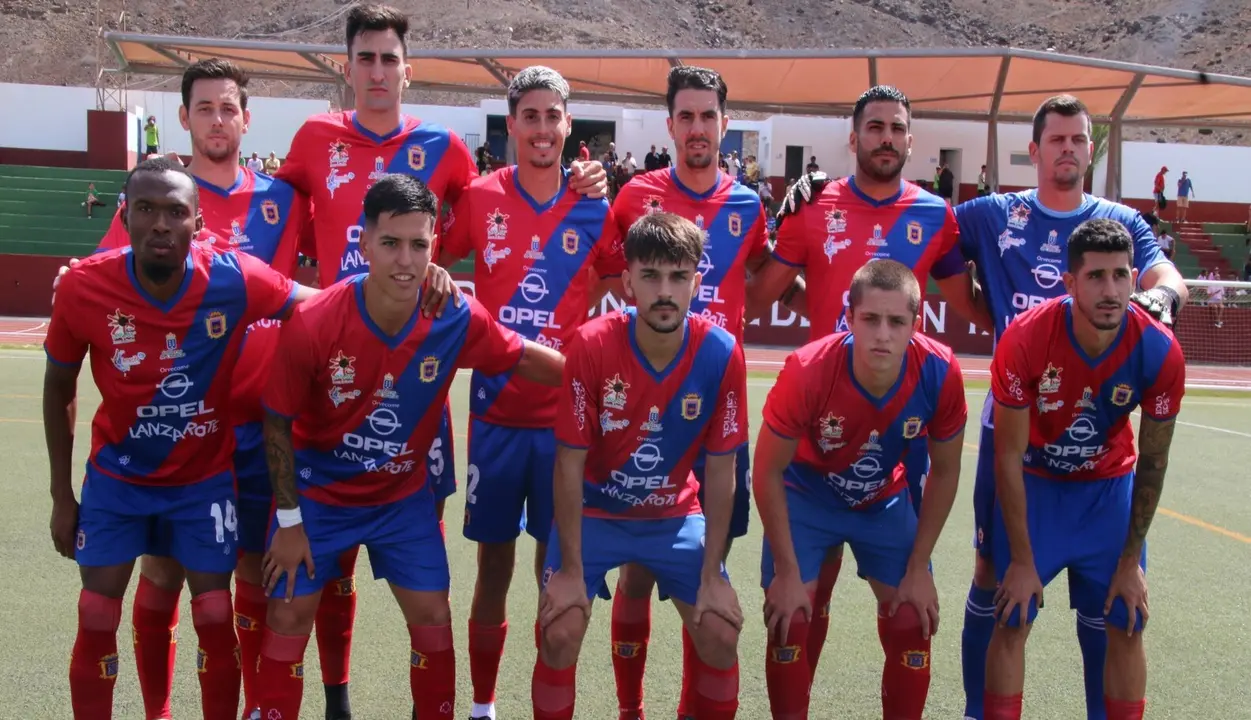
[(584, 152), (1157, 189), (646, 392), (350, 409), (162, 321), (828, 471)]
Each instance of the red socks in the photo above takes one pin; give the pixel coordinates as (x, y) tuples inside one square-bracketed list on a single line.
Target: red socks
[(906, 673), (486, 649), (335, 615), (715, 691), (690, 656), (786, 673), (552, 692), (1124, 709), (281, 674), (218, 657), (432, 671), (820, 625), (93, 664), (155, 620), (250, 609), (631, 630), (1001, 707)]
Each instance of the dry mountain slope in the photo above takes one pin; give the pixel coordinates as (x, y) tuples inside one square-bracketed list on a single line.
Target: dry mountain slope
[(52, 41)]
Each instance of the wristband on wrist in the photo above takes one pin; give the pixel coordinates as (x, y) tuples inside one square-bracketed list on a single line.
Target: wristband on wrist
[(288, 518)]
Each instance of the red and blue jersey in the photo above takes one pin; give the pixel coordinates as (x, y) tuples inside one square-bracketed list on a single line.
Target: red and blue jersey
[(734, 224), (846, 228), (1021, 247), (265, 218), (643, 429), (850, 443), (163, 368), (366, 405), (1079, 406), (533, 266), (335, 160)]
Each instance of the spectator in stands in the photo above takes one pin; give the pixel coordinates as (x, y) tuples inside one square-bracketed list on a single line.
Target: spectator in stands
[(651, 161), (1246, 270), (626, 169), (272, 163), (584, 152), (946, 183), (91, 200), (255, 164), (751, 173), (733, 163), (724, 163), (1161, 234), (1185, 190), (664, 159), (152, 136), (938, 172), (483, 157), (982, 188), (812, 165), (1157, 189), (1216, 297)]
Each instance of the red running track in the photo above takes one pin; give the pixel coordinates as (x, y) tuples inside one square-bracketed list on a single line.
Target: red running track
[(31, 331)]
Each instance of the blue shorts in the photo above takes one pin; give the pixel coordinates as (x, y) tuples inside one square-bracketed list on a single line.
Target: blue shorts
[(510, 482), (405, 546), (741, 512), (195, 524), (880, 537), (917, 465), (441, 462), (256, 495), (671, 548), (1078, 526), (984, 494)]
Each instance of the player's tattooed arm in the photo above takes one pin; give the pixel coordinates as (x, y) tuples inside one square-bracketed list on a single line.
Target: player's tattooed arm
[(280, 457), (1155, 438)]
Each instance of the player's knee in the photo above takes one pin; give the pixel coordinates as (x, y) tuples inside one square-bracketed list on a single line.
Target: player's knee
[(716, 641), (906, 620), (248, 569), (495, 570), (833, 554), (425, 609), (166, 573), (1122, 644), (1011, 637), (562, 639), (635, 581), (212, 608), (292, 618), (984, 573)]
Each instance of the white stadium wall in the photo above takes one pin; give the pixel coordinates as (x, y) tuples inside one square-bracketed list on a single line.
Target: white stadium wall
[(1219, 172)]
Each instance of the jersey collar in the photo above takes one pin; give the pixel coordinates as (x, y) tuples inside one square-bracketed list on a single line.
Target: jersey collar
[(379, 139), (673, 175), (876, 402), (540, 208), (218, 190), (1081, 352), (391, 341), (632, 314), (167, 305), (851, 183)]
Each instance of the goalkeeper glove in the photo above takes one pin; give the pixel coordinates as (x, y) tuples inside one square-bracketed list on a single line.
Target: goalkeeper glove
[(1160, 301), (801, 193)]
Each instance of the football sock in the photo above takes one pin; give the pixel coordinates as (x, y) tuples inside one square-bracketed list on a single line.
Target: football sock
[(786, 672), (93, 664), (486, 649), (155, 620), (281, 674), (820, 624), (716, 691), (432, 671), (552, 692), (631, 630), (1092, 637), (336, 613), (1124, 709), (1001, 707), (906, 670), (250, 608), (218, 657), (979, 626), (686, 701)]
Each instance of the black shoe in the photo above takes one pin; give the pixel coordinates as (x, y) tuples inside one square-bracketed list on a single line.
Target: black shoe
[(338, 706)]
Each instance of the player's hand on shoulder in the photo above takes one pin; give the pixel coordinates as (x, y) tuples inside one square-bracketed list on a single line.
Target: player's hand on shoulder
[(287, 551), (1020, 584), (1159, 301), (1129, 583), (439, 288), (56, 281), (588, 177), (800, 193), (64, 526), (564, 591), (785, 597), (917, 589), (717, 596)]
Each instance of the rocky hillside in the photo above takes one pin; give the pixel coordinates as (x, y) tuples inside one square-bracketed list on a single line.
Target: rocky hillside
[(53, 41)]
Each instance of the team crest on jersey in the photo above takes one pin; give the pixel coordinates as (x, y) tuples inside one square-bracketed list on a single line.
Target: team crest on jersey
[(342, 369), (339, 154), (1122, 394), (1087, 402), (831, 433), (1050, 381), (832, 247), (911, 428), (1018, 216), (653, 421), (835, 221), (872, 445), (270, 212), (615, 392), (492, 255), (916, 659), (417, 158), (497, 225), (736, 224), (915, 234), (1053, 243), (388, 388), (171, 351), (429, 369), (569, 241), (236, 234), (877, 240), (535, 252), (692, 404), (215, 324), (380, 169), (653, 204), (121, 327)]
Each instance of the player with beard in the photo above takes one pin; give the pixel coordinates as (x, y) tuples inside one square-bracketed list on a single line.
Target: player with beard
[(736, 242), (543, 250), (873, 214), (1017, 242), (1072, 493)]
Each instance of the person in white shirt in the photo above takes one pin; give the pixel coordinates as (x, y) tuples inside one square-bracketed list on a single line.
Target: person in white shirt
[(255, 164)]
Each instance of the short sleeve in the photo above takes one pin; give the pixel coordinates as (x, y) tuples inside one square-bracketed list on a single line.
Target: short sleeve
[(270, 293), (792, 245), (116, 236), (609, 250), (577, 415), (490, 347), (462, 168), (457, 228), (952, 411), (1010, 381), (950, 262), (295, 166), (787, 409), (1162, 400), (295, 368), (63, 344), (1147, 252), (758, 236), (727, 430)]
